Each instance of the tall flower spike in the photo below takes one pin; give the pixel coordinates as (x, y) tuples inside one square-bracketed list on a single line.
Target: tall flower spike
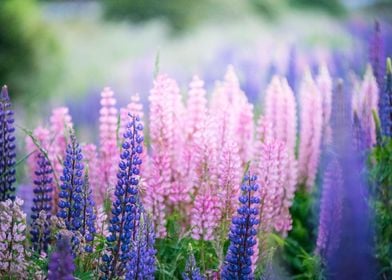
[(386, 102), (7, 147), (310, 134), (331, 204), (125, 209), (243, 233), (108, 152), (88, 216), (13, 233), (324, 84), (71, 194), (376, 55), (135, 107), (90, 156), (142, 260), (61, 262), (60, 125), (42, 202)]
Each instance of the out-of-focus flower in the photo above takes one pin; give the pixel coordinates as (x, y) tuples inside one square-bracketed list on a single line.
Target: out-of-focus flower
[(310, 131), (386, 102), (13, 262), (192, 272), (324, 84), (87, 229), (61, 262), (243, 233), (7, 147)]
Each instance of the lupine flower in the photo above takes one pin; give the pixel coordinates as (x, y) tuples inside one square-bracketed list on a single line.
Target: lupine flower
[(243, 233), (91, 161), (166, 141), (125, 209), (386, 103), (71, 203), (367, 104), (280, 110), (13, 262), (88, 216), (311, 128), (324, 84), (42, 204), (192, 272), (245, 128), (108, 152), (142, 256), (60, 125), (7, 147), (61, 262), (331, 205), (135, 107)]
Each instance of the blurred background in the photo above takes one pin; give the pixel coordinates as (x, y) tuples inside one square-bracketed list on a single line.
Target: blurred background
[(64, 52)]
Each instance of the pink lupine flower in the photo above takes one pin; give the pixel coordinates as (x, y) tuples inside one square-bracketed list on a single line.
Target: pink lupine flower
[(229, 168), (365, 102), (13, 262), (108, 151), (263, 130), (311, 128), (280, 110), (60, 125), (324, 84), (204, 216), (101, 221), (245, 132)]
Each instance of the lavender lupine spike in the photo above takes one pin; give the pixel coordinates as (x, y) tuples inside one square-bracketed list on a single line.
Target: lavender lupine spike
[(125, 209), (42, 204), (7, 147), (61, 263), (142, 260), (386, 102), (192, 272), (330, 211), (243, 233), (12, 237)]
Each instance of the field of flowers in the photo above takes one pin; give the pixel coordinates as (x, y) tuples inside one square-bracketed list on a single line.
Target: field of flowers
[(209, 184)]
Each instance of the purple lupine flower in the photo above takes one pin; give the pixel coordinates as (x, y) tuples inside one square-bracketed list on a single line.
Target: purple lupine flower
[(61, 263), (376, 55), (328, 237), (88, 217), (71, 194), (42, 202), (386, 102), (142, 258), (125, 209), (192, 272), (242, 236), (7, 147)]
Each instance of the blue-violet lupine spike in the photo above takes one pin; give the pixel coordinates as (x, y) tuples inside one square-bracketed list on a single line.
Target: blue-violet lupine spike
[(386, 102), (242, 236), (192, 272), (61, 263), (125, 209), (88, 216), (7, 147), (42, 201), (142, 261)]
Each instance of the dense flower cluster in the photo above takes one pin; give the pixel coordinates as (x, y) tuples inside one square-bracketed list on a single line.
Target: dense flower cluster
[(126, 208), (243, 233), (12, 237), (7, 147), (42, 204)]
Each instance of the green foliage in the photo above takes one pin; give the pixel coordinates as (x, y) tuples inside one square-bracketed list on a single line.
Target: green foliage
[(26, 50), (334, 7), (381, 175), (299, 243)]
